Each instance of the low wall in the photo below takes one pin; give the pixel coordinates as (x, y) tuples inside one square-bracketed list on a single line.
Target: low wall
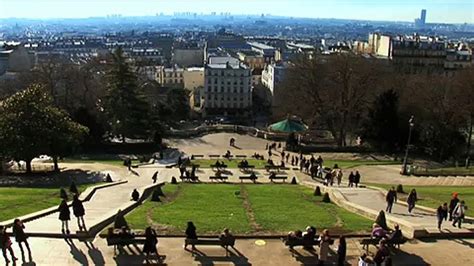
[(126, 208), (85, 196)]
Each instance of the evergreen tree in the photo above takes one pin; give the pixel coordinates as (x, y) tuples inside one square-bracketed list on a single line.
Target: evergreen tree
[(125, 104)]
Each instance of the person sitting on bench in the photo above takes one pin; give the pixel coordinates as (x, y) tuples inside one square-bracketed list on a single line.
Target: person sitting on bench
[(226, 237), (310, 233), (219, 173), (395, 235), (119, 221), (253, 176), (272, 175), (294, 235), (217, 164), (378, 231), (125, 233), (270, 162), (282, 164)]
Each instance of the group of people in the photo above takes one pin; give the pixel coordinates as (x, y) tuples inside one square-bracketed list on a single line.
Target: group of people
[(191, 235), (324, 242), (392, 197), (243, 164), (21, 238), (457, 209), (65, 214), (258, 156)]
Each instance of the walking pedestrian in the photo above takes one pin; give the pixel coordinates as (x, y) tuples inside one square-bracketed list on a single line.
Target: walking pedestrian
[(339, 177), (458, 213), (155, 177), (6, 244), (391, 198), (452, 204), (341, 251), (356, 178), (21, 237), (191, 235), (151, 241), (442, 214), (79, 212), (411, 200), (64, 216), (351, 179)]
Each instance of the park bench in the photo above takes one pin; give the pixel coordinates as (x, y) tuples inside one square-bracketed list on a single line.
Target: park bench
[(253, 179), (366, 242), (273, 178), (303, 242), (221, 178), (275, 167), (241, 156), (212, 242), (194, 156), (117, 240), (189, 179), (214, 156), (246, 167), (218, 167)]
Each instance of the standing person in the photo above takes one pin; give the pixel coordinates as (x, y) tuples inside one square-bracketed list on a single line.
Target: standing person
[(458, 213), (6, 244), (341, 251), (324, 241), (452, 204), (287, 157), (79, 212), (339, 177), (64, 216), (390, 198), (296, 160), (411, 200), (135, 195), (351, 179), (190, 234), (357, 178), (151, 241), (21, 237), (155, 177), (442, 214), (292, 160)]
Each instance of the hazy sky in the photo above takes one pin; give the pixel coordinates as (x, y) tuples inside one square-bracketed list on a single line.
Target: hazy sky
[(448, 11)]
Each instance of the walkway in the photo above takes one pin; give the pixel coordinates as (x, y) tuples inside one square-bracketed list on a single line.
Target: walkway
[(370, 202)]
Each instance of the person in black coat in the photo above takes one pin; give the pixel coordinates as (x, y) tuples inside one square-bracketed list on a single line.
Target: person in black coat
[(79, 212), (442, 214), (64, 216), (351, 179), (357, 179), (390, 198), (21, 237), (190, 233), (341, 251), (150, 242), (411, 200), (135, 195)]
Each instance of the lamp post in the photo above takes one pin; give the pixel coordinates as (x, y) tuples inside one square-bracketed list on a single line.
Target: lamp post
[(411, 124)]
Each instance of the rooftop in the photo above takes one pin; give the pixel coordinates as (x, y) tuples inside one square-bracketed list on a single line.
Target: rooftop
[(261, 45)]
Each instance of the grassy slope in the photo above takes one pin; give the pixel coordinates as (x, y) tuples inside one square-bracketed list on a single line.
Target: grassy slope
[(277, 209), (15, 201)]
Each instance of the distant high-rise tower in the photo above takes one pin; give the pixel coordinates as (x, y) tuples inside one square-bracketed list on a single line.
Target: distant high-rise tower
[(421, 22), (423, 16)]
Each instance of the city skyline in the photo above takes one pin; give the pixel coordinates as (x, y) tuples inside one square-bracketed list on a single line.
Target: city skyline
[(438, 11)]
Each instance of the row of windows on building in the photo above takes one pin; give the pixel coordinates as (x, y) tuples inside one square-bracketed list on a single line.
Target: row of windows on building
[(176, 75), (233, 105), (172, 81), (210, 98), (227, 74), (242, 82), (226, 89)]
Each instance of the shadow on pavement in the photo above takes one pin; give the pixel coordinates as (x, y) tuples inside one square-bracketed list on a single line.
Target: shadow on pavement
[(235, 257), (400, 257), (306, 257)]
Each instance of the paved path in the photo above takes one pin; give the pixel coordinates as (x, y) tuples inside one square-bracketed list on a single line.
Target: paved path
[(374, 201)]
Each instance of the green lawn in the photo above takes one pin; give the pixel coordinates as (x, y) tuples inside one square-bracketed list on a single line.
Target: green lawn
[(260, 164), (16, 201), (433, 196), (273, 209)]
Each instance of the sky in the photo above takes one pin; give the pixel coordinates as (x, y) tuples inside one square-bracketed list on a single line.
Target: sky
[(441, 11)]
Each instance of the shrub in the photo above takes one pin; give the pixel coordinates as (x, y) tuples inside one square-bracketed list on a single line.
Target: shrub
[(293, 181), (156, 195), (400, 188), (108, 178), (173, 180), (381, 220), (326, 198), (63, 194), (73, 188), (317, 191)]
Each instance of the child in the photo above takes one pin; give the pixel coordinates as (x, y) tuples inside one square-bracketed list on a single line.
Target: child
[(6, 243), (442, 214)]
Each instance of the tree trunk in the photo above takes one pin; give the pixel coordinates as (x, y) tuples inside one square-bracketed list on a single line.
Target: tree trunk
[(28, 166), (468, 147), (55, 163)]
